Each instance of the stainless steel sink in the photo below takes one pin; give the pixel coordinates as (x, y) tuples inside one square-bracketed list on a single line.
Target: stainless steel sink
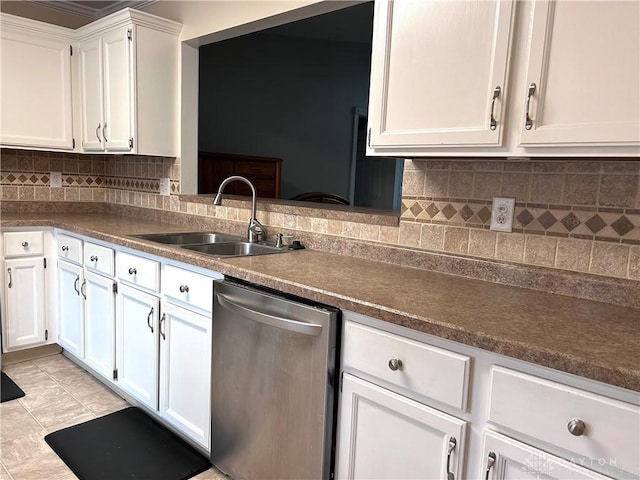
[(235, 249), (187, 238)]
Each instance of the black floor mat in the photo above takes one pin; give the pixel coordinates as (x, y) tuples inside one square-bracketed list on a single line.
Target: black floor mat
[(9, 390), (126, 444)]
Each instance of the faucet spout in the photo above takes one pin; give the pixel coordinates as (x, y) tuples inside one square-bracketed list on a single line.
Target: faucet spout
[(256, 230)]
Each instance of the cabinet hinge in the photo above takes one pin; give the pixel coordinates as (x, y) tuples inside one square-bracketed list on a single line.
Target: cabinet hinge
[(131, 142), (115, 287), (46, 335), (71, 50), (129, 34), (44, 260), (115, 374)]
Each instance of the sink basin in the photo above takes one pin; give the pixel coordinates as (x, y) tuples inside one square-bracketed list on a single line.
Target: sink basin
[(187, 238), (234, 249)]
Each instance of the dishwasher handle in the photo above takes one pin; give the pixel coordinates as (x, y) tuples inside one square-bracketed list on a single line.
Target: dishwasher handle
[(296, 326)]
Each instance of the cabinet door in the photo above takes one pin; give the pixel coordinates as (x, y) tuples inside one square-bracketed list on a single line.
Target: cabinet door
[(25, 303), (137, 344), (185, 371), (584, 60), (35, 74), (507, 459), (100, 325), (70, 308), (90, 54), (116, 52), (384, 435), (435, 67)]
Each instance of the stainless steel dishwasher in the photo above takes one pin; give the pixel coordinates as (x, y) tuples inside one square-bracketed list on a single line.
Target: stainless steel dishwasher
[(273, 384)]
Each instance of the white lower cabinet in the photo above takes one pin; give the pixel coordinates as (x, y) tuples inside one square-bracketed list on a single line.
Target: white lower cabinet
[(137, 344), (185, 371), (507, 459), (25, 324), (70, 308), (405, 395), (384, 435), (99, 309)]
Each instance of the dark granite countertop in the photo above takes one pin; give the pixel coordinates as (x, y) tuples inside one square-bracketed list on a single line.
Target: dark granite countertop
[(594, 340)]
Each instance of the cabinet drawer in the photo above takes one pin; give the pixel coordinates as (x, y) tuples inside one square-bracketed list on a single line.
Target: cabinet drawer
[(188, 288), (70, 248), (543, 410), (139, 271), (23, 244), (98, 258), (428, 371), (255, 169)]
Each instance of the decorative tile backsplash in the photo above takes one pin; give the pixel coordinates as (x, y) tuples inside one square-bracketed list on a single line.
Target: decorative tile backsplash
[(581, 216)]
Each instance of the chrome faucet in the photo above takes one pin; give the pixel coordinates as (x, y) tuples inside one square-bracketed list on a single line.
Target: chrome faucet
[(256, 230)]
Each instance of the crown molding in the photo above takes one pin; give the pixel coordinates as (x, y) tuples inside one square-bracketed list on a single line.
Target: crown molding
[(92, 13)]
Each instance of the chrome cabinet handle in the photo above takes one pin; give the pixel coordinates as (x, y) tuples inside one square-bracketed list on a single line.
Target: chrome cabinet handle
[(93, 258), (25, 244), (452, 446), (528, 123), (184, 288), (149, 320), (98, 133), (577, 427), (490, 461), (65, 248), (492, 121), (133, 271), (75, 285), (10, 278), (104, 133), (164, 317), (395, 364), (83, 289)]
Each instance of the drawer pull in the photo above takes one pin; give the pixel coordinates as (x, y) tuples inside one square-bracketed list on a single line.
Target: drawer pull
[(577, 427), (10, 278), (94, 258), (65, 248), (490, 461), (133, 271), (452, 446), (395, 364), (25, 244), (75, 285), (184, 288), (164, 317), (492, 121)]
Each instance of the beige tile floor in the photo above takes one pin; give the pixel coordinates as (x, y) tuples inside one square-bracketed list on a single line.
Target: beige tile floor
[(58, 394)]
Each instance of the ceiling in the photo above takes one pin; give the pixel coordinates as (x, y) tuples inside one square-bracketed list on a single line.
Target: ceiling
[(68, 13)]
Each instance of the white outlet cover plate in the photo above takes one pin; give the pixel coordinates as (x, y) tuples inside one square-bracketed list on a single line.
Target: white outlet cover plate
[(55, 180), (164, 186), (502, 211)]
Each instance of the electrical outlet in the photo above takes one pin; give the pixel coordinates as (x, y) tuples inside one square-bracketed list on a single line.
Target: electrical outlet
[(502, 214), (55, 180), (164, 186)]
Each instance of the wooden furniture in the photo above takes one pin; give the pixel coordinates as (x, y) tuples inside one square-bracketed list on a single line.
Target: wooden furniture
[(264, 173), (321, 197)]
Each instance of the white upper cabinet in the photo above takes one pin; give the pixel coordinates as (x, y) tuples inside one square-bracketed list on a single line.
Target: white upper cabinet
[(35, 82), (505, 78), (105, 79), (584, 72), (436, 67), (129, 84)]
